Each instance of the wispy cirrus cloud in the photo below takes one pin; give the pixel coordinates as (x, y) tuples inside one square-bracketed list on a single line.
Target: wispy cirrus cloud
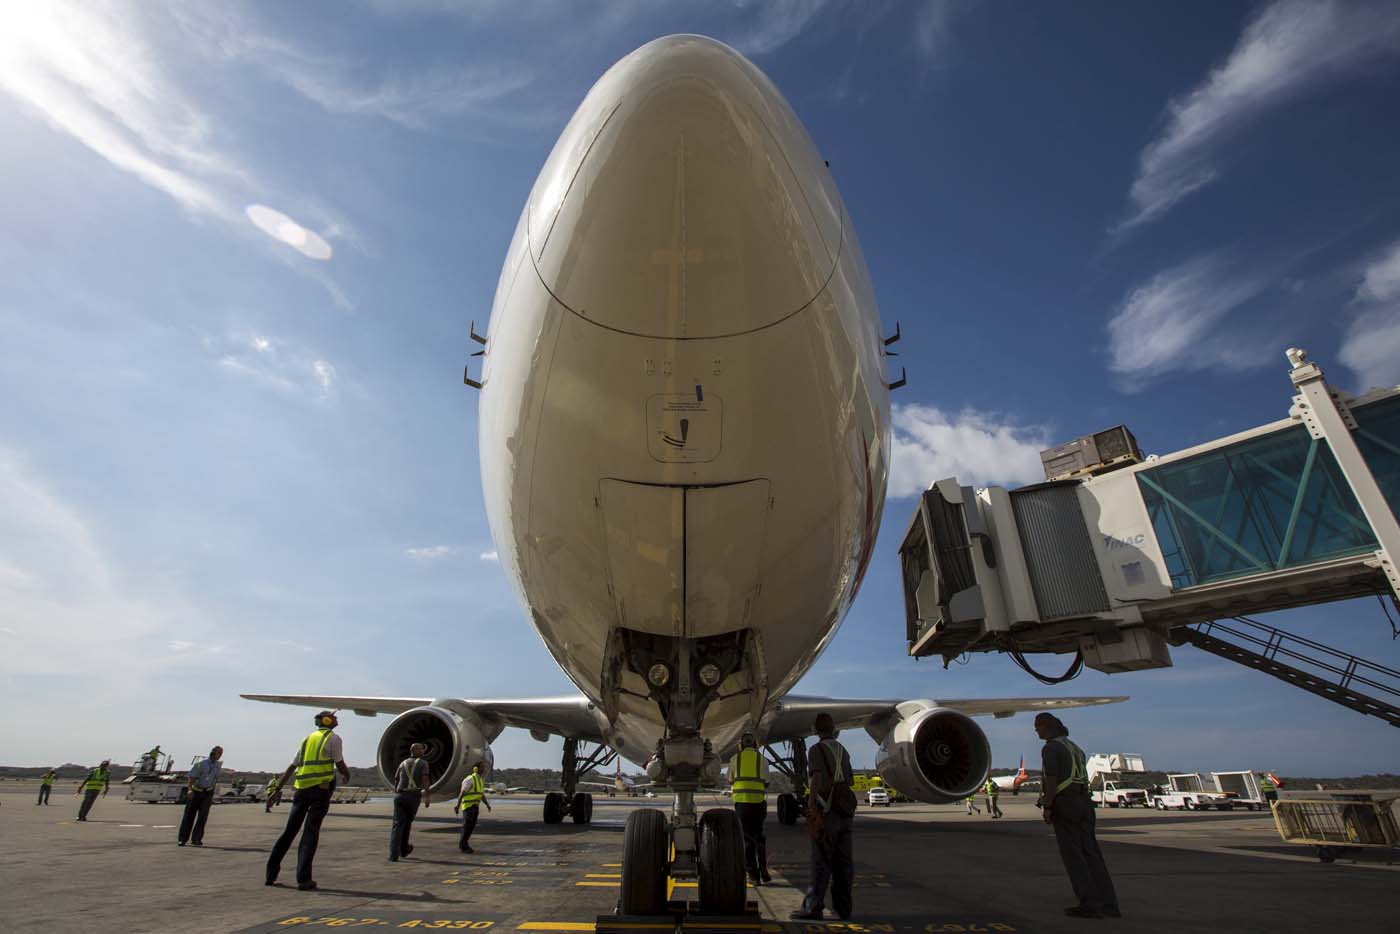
[(976, 447), (88, 70), (490, 556), (1290, 48), (431, 552), (274, 363), (1371, 344), (775, 23), (1172, 321)]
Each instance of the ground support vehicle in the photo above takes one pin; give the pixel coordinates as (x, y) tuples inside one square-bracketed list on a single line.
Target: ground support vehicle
[(1112, 794), (877, 796), (1338, 823), (1242, 788), (1188, 792)]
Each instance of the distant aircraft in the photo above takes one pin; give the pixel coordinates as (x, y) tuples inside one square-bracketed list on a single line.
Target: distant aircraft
[(1014, 783), (620, 785), (684, 441)]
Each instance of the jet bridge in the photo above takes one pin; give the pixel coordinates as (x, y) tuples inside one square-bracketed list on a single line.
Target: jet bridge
[(1116, 557)]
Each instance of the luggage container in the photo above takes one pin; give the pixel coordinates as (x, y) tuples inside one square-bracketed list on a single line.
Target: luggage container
[(1338, 822)]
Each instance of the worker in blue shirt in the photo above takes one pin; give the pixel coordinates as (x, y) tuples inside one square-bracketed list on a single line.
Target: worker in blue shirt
[(203, 779)]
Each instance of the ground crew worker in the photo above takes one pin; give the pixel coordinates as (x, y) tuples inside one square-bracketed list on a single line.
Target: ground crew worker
[(748, 784), (993, 808), (971, 802), (1068, 808), (473, 793), (318, 759), (274, 793), (151, 760), (45, 786), (203, 778), (97, 782), (831, 805), (411, 784)]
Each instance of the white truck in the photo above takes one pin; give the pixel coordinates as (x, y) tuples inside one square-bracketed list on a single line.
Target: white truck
[(1188, 792), (1106, 779)]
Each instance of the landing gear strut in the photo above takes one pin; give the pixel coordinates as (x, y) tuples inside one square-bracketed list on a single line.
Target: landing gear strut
[(572, 802), (794, 766), (683, 676)]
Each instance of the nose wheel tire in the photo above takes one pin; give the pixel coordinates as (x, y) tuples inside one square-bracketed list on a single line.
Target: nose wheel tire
[(722, 888), (787, 809), (553, 808), (646, 845), (582, 810)]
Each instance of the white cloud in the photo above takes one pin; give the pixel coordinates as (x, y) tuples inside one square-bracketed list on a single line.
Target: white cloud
[(490, 556), (68, 611), (274, 363), (977, 448), (1291, 47), (430, 552), (1172, 321), (776, 23), (1371, 344), (89, 72), (932, 29), (283, 229), (1381, 281)]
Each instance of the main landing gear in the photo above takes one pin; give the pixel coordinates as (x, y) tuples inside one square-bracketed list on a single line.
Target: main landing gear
[(572, 802), (791, 807)]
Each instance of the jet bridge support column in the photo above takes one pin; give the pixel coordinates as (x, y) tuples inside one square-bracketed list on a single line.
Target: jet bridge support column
[(1328, 417)]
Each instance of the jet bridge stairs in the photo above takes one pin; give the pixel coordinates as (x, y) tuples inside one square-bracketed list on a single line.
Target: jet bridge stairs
[(1116, 558)]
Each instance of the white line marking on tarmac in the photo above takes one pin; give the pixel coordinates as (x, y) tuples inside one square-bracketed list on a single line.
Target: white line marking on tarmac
[(163, 826), (131, 825)]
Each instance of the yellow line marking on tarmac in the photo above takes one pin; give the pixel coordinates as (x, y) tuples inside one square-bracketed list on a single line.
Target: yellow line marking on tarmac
[(601, 885), (612, 865), (557, 926), (602, 875)]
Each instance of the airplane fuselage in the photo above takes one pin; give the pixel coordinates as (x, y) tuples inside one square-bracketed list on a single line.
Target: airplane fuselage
[(684, 421)]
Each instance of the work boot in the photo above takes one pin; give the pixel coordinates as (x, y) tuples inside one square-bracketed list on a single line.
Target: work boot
[(754, 879), (1079, 911), (801, 915), (764, 875)]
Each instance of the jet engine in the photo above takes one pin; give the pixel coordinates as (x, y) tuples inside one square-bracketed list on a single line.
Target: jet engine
[(934, 754), (456, 740)]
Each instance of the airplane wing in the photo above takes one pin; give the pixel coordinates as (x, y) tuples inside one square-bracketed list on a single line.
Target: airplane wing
[(793, 715), (570, 716)]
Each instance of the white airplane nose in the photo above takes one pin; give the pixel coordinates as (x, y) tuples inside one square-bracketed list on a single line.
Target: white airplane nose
[(684, 199)]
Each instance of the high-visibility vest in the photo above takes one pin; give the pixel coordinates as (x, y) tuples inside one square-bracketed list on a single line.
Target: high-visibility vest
[(992, 788), (47, 778), (96, 780), (474, 792), (413, 773), (1079, 767), (745, 777), (315, 768)]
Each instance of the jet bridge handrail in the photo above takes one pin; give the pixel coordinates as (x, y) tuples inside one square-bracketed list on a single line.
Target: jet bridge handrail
[(1346, 669)]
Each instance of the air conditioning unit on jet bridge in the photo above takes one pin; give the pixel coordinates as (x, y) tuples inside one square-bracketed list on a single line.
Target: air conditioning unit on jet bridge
[(991, 570)]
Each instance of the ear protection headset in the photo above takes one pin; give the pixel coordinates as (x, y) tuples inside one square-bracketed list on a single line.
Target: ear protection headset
[(325, 719)]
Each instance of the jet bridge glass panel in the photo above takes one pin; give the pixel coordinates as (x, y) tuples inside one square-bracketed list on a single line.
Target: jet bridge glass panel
[(1378, 437), (1269, 503)]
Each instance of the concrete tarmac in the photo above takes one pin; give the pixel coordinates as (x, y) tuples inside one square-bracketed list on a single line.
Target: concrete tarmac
[(920, 870)]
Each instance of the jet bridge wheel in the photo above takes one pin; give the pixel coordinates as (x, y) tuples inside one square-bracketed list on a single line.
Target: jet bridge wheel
[(554, 808), (646, 846), (722, 888), (582, 810), (787, 809)]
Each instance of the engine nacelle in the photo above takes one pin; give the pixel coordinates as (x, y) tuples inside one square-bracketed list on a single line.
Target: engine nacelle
[(935, 755), (456, 741)]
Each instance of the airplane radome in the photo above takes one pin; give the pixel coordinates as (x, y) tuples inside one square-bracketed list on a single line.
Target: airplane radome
[(684, 438)]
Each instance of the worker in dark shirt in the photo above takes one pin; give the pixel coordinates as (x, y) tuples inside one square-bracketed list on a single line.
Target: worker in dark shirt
[(831, 805), (411, 784), (1068, 808)]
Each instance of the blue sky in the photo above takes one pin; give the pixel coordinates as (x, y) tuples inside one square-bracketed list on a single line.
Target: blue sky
[(227, 465)]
